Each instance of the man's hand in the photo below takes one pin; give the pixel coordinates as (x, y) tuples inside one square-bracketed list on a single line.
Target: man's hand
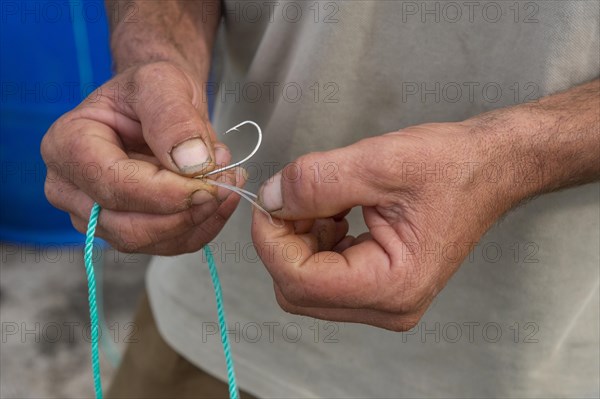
[(134, 143), (388, 275), (428, 193), (128, 147)]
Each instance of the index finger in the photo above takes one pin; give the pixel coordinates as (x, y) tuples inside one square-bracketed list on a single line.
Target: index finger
[(319, 279), (95, 161)]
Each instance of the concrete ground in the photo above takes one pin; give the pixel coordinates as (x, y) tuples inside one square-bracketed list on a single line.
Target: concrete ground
[(44, 348)]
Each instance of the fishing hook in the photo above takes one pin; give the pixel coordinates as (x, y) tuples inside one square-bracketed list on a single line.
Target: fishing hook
[(258, 143), (249, 196)]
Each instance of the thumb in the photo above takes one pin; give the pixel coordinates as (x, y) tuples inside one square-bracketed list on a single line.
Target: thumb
[(320, 185), (176, 131)]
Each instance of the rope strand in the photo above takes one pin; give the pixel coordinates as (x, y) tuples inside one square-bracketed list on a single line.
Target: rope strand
[(233, 389), (89, 268)]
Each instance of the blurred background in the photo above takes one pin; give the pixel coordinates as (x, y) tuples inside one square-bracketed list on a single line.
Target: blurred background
[(52, 54)]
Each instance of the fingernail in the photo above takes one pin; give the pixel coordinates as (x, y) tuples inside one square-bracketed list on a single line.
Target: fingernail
[(270, 194), (191, 156), (244, 173), (200, 197)]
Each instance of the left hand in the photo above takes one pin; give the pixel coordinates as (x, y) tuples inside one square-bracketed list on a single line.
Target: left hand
[(428, 193)]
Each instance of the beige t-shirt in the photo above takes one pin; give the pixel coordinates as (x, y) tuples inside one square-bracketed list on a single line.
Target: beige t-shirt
[(521, 316)]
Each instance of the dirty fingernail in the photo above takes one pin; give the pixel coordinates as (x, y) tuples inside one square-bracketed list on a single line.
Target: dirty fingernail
[(200, 197), (244, 173), (191, 156), (270, 194)]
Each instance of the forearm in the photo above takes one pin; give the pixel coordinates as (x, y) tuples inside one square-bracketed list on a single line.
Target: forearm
[(181, 32), (546, 145)]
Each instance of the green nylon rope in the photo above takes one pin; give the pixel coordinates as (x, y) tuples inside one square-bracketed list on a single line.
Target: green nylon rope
[(233, 389), (89, 268)]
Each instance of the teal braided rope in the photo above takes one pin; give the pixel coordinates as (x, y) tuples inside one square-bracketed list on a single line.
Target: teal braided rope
[(233, 389), (89, 270)]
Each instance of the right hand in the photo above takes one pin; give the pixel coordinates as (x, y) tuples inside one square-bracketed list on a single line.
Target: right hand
[(132, 146)]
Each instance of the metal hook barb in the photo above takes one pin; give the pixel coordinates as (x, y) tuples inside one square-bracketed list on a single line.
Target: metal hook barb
[(233, 165)]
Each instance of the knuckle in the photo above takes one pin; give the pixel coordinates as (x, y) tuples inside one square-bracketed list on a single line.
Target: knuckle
[(125, 239), (162, 87), (281, 301), (77, 147), (188, 220), (144, 73), (120, 196), (132, 236), (388, 163), (106, 197), (301, 183), (50, 192), (77, 224), (51, 142), (285, 305), (293, 294), (45, 146)]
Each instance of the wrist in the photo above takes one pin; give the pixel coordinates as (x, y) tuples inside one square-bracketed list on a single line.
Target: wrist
[(129, 52), (542, 146), (509, 166), (179, 32)]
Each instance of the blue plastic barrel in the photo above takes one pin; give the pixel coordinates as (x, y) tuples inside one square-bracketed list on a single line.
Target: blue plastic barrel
[(39, 81)]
